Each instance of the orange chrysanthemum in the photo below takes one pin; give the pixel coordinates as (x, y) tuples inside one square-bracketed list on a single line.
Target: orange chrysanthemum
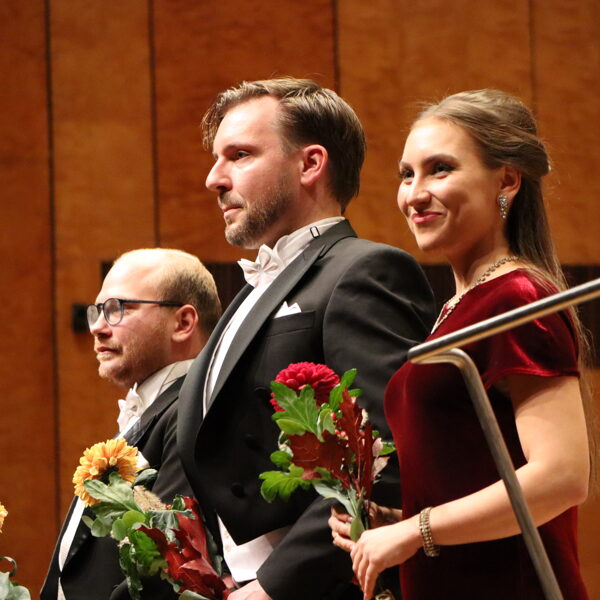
[(102, 459), (3, 513)]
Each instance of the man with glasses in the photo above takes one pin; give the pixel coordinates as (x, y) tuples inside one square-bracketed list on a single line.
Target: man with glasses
[(155, 311)]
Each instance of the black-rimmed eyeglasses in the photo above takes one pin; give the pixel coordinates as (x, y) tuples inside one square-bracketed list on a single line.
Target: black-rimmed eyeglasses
[(114, 308)]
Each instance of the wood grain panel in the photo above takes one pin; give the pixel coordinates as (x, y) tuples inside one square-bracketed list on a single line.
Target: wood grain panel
[(567, 59), (566, 56), (396, 54), (27, 424), (103, 189), (201, 49)]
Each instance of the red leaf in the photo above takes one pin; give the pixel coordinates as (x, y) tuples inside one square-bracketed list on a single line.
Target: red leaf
[(310, 453)]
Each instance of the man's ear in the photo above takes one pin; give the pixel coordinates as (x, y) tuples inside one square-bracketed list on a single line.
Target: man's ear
[(186, 321), (510, 182), (314, 163)]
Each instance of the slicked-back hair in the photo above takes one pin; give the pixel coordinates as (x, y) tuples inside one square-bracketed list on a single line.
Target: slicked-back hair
[(309, 114)]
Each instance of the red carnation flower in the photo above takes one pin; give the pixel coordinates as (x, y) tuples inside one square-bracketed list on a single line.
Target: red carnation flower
[(320, 377)]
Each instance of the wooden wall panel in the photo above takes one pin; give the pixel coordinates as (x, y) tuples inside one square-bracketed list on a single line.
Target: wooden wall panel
[(103, 189), (27, 421), (567, 76), (396, 54), (201, 49)]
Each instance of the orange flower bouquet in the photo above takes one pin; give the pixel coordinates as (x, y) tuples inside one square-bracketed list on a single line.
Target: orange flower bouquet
[(153, 539)]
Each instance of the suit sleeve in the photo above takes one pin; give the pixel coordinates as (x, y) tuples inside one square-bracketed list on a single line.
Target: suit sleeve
[(380, 306)]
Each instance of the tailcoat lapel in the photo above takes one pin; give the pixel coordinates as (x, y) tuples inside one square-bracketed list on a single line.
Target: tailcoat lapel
[(273, 298)]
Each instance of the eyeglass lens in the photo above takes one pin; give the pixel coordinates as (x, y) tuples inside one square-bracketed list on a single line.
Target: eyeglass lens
[(112, 309)]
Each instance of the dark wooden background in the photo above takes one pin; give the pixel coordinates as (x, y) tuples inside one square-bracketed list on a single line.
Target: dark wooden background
[(100, 152)]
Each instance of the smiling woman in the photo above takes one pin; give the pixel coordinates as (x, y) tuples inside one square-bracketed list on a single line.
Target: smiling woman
[(470, 190)]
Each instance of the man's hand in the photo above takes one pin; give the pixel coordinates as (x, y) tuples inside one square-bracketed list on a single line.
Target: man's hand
[(251, 591)]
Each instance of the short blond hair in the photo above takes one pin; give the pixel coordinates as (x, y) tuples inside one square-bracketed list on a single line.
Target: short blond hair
[(182, 278)]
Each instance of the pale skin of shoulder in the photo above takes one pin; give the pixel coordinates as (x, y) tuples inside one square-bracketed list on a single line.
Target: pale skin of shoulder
[(552, 431)]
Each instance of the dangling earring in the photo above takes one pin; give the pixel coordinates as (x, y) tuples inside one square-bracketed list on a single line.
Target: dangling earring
[(503, 204)]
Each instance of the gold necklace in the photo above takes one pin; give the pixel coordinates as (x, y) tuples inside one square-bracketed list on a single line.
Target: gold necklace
[(449, 309)]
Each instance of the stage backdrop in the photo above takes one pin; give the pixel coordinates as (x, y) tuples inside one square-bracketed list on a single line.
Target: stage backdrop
[(101, 153)]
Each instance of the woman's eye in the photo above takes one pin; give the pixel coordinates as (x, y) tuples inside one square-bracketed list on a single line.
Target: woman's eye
[(442, 167), (405, 174)]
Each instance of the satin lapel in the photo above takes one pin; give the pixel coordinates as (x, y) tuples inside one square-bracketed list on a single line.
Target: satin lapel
[(190, 413), (82, 533), (274, 297), (154, 411)]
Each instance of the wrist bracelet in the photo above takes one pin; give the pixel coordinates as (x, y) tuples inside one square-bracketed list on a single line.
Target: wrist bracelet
[(429, 547)]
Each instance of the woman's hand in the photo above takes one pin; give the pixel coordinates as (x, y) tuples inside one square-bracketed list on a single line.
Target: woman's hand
[(378, 549), (339, 522)]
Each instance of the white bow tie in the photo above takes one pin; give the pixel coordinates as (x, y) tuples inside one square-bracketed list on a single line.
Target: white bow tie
[(130, 408), (264, 269)]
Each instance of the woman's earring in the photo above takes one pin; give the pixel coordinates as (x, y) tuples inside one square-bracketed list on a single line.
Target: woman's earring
[(503, 204)]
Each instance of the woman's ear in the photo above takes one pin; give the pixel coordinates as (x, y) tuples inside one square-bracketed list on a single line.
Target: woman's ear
[(510, 182), (314, 160), (185, 323)]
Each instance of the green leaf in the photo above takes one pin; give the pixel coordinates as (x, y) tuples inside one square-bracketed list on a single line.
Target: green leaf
[(283, 394), (145, 553), (289, 426), (388, 448), (118, 494), (189, 595), (299, 408), (325, 421), (178, 503), (356, 528), (281, 459), (100, 528), (146, 478), (277, 483), (348, 378), (129, 568), (335, 491), (166, 521), (5, 585), (122, 527)]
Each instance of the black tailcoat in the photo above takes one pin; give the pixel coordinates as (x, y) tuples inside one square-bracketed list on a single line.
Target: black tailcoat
[(363, 305), (91, 570)]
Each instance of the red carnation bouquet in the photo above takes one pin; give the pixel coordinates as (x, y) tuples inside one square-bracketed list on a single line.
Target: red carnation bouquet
[(326, 440), (153, 539)]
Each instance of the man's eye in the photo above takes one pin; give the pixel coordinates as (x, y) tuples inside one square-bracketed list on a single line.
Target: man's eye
[(240, 154)]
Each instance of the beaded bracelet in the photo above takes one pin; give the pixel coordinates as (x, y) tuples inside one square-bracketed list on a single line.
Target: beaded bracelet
[(429, 547)]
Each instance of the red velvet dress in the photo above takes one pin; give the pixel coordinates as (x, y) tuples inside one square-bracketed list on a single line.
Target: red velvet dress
[(444, 456)]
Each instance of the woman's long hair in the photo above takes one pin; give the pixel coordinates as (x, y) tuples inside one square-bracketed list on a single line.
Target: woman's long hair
[(505, 132)]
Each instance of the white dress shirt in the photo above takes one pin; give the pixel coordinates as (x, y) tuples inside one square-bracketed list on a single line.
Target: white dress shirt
[(244, 560)]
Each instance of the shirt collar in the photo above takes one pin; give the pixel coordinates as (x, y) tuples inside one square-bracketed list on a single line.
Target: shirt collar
[(290, 246), (156, 383)]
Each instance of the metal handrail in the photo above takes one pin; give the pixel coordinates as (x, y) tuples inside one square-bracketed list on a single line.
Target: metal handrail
[(508, 320), (444, 349)]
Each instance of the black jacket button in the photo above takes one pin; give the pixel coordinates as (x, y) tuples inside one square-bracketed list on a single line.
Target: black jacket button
[(237, 489), (263, 393), (252, 442)]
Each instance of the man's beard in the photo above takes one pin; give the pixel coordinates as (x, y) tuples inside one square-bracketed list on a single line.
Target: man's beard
[(260, 217)]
